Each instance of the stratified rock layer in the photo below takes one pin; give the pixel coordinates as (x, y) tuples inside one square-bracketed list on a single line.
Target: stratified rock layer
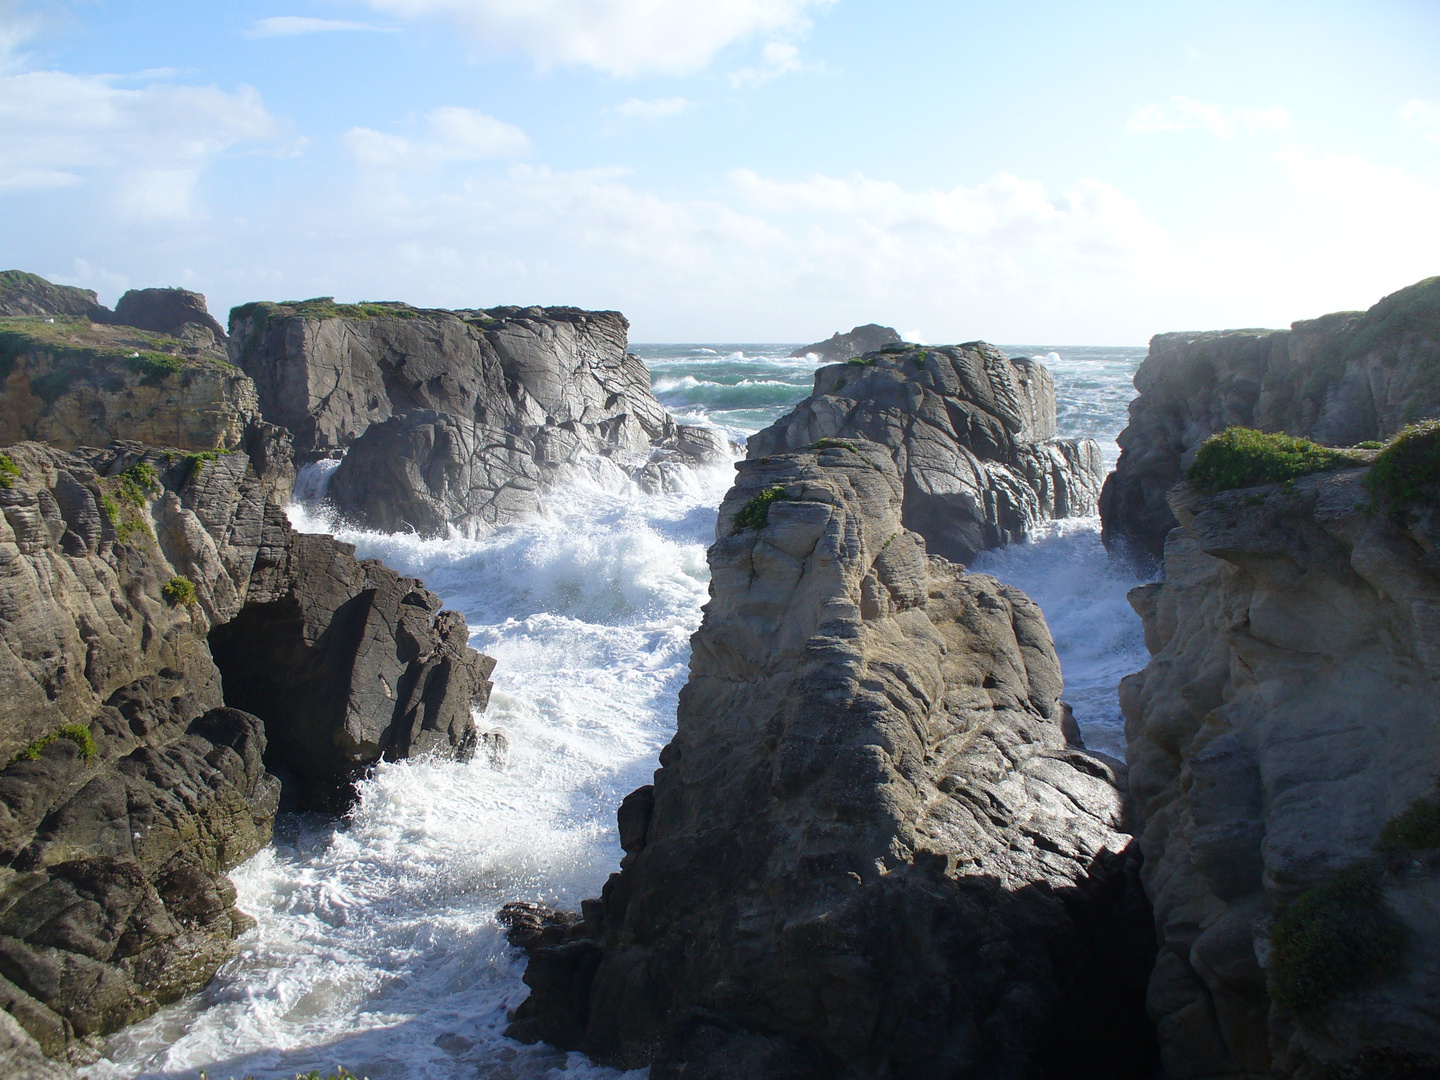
[(1290, 708), (971, 431), (1339, 380), (456, 419), (870, 849), (133, 780), (859, 341)]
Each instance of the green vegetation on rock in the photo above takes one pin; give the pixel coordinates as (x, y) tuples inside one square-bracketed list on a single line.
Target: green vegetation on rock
[(134, 483), (9, 471), (1412, 310), (863, 361), (179, 591), (155, 365), (195, 463), (79, 734), (1333, 940), (756, 511), (1407, 471), (834, 444), (1243, 457), (1416, 828)]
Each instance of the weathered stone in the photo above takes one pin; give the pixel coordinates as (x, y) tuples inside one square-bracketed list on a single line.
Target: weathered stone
[(24, 294), (1288, 711), (971, 431), (839, 347), (869, 849), (168, 311)]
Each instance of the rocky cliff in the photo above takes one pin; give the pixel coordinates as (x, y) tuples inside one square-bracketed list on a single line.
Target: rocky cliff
[(1282, 742), (971, 431), (839, 347), (147, 597), (454, 419), (1339, 380), (870, 849)]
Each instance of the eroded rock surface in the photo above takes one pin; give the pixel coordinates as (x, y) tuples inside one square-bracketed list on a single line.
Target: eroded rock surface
[(1339, 380), (133, 779), (839, 347), (178, 312), (1289, 710), (454, 419), (870, 849), (971, 431)]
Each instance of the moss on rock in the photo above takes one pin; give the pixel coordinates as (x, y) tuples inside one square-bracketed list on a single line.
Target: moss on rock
[(756, 511), (1243, 457), (1407, 471)]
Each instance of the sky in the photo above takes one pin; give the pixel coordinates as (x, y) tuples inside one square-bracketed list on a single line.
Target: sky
[(735, 170)]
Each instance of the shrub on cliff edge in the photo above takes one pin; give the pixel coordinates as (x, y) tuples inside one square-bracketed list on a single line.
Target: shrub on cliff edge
[(756, 511), (1243, 457), (1407, 471)]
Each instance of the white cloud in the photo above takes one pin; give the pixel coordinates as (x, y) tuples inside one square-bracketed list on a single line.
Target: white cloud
[(777, 58), (1186, 114), (619, 37), (148, 145), (451, 134), (1424, 115), (291, 25), (658, 109)]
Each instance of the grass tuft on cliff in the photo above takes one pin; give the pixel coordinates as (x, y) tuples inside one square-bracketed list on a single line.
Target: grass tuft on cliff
[(1407, 471), (1334, 940), (1243, 457), (179, 590), (79, 734), (756, 512), (1416, 828), (9, 471)]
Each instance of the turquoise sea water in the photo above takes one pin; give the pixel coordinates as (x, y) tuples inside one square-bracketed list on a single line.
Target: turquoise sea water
[(377, 946)]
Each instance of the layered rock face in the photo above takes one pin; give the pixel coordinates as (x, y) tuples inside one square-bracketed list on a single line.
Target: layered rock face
[(870, 849), (839, 347), (971, 431), (138, 589), (1289, 711), (1339, 380), (454, 419)]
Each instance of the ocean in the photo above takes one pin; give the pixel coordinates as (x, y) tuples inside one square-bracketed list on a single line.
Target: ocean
[(377, 946)]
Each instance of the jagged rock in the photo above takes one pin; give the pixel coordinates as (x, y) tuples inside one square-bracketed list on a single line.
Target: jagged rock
[(1339, 380), (869, 850), (23, 294), (457, 419), (839, 347), (168, 311), (971, 431), (1289, 709), (120, 570)]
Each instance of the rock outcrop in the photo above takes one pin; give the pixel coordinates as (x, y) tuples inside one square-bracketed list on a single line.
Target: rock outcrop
[(177, 312), (839, 347), (1289, 711), (168, 645), (1339, 380), (24, 294), (870, 849), (971, 431), (454, 419)]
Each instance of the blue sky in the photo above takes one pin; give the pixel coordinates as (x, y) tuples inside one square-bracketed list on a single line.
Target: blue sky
[(735, 169)]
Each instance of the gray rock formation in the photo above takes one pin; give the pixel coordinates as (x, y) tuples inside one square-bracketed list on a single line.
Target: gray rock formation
[(178, 312), (455, 419), (147, 597), (24, 294), (1289, 710), (971, 431), (1339, 380), (870, 849), (839, 347)]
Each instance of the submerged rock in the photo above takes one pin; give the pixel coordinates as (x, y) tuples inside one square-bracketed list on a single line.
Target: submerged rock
[(168, 645), (454, 419), (1289, 711), (971, 431), (839, 347), (1339, 380), (870, 849)]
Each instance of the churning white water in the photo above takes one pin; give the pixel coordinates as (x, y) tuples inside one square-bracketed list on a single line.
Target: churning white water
[(377, 946)]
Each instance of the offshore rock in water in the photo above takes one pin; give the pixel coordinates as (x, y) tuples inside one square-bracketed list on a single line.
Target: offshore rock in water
[(455, 419), (147, 597), (971, 431), (870, 849), (859, 341), (1338, 380), (1291, 708)]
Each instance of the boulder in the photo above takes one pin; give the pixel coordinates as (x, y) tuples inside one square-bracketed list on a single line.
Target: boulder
[(168, 311), (1339, 380), (870, 849), (1290, 710), (840, 347), (971, 431), (169, 646), (457, 419)]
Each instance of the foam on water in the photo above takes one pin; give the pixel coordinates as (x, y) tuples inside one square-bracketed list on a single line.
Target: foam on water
[(377, 946)]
